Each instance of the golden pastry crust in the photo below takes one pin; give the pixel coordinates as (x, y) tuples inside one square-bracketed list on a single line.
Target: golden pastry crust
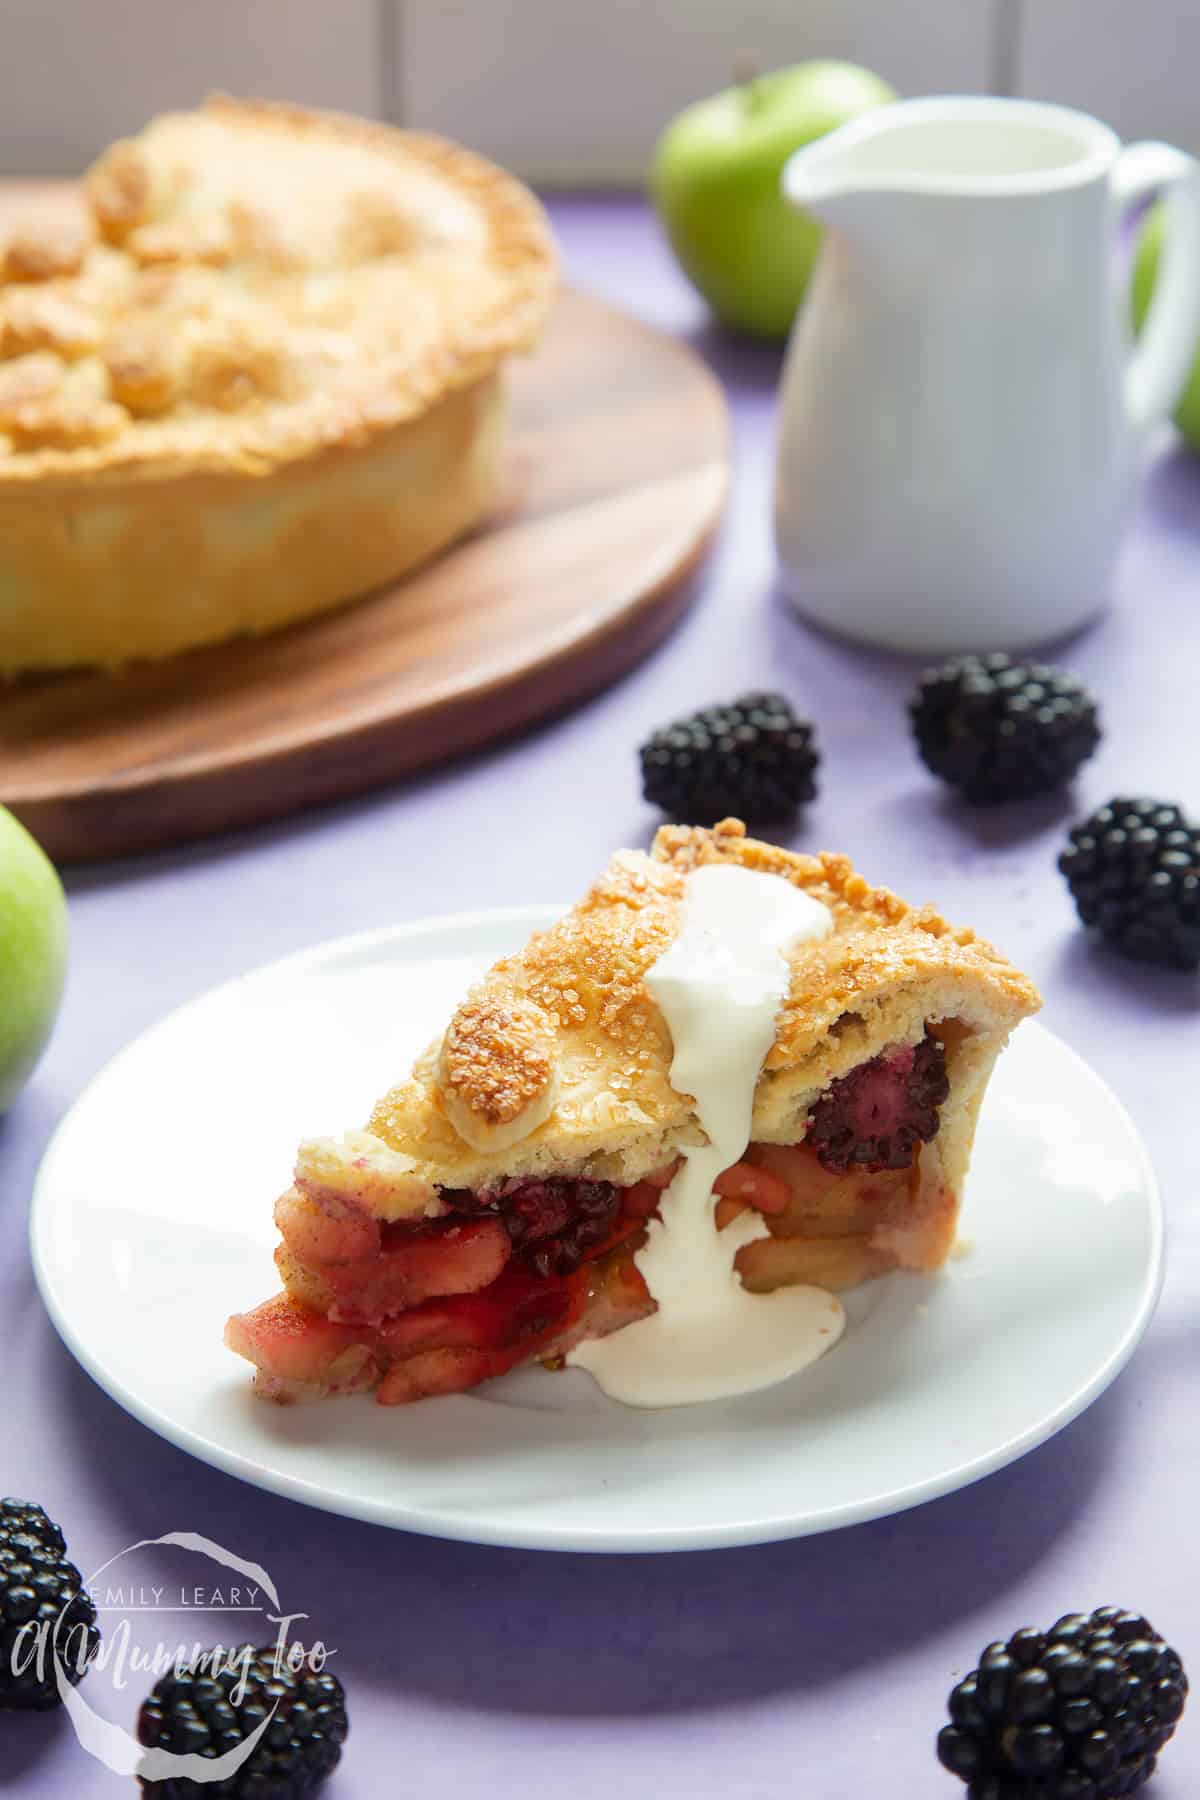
[(386, 269), (880, 944), (252, 289), (885, 972), (496, 1070), (40, 253), (356, 1170), (144, 368), (27, 379), (41, 318), (118, 189)]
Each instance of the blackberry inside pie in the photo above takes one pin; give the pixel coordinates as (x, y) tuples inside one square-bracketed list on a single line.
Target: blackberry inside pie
[(493, 1211)]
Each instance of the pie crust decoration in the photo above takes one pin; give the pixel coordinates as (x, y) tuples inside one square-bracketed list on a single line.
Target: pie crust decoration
[(491, 1212), (259, 373)]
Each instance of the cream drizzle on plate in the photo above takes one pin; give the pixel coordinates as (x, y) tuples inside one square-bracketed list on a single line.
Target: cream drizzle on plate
[(720, 987)]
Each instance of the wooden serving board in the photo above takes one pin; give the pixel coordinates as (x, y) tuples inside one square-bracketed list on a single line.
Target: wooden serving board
[(619, 468)]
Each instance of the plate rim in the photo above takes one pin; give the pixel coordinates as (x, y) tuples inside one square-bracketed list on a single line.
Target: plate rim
[(422, 1521)]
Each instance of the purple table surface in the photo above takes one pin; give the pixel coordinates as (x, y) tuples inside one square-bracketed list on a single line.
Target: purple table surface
[(817, 1667)]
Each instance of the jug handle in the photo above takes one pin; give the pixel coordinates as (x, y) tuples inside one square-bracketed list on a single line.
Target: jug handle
[(1158, 368)]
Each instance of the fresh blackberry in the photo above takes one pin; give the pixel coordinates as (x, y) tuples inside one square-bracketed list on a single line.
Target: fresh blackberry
[(21, 1518), (1133, 869), (46, 1614), (999, 730), (753, 759), (877, 1116), (207, 1711), (1079, 1712)]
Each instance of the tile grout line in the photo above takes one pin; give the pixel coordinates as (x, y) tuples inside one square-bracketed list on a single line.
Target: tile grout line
[(1005, 54), (388, 38)]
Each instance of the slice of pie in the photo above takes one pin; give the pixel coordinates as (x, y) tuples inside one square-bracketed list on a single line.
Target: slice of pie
[(493, 1212), (251, 370)]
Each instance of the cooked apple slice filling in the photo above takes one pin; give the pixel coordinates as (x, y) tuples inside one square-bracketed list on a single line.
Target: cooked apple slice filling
[(466, 1285)]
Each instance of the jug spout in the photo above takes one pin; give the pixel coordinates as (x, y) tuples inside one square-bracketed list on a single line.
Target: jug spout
[(950, 147), (825, 177)]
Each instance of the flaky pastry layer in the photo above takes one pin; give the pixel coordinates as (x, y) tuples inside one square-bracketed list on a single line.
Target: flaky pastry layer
[(558, 1061)]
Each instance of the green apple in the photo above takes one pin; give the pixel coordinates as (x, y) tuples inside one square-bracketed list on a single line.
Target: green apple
[(1145, 274), (715, 181), (33, 954)]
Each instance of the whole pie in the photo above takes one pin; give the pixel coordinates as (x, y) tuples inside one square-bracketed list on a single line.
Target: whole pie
[(493, 1210), (256, 372)]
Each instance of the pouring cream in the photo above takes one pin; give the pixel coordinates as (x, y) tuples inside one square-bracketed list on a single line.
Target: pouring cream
[(719, 987)]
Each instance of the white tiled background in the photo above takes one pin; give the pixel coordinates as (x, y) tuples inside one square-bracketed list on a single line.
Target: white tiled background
[(564, 90)]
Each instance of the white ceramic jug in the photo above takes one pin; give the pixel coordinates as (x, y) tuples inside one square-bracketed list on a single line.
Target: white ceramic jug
[(961, 416)]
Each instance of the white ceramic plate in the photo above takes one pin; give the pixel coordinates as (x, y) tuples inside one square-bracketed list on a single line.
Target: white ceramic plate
[(152, 1222)]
